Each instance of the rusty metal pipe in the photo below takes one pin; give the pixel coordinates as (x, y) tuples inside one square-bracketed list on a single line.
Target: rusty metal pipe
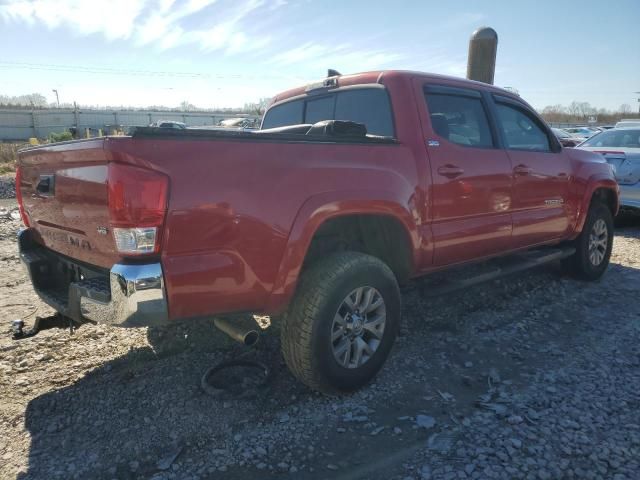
[(483, 46)]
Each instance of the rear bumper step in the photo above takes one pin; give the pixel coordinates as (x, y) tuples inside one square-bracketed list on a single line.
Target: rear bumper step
[(127, 295)]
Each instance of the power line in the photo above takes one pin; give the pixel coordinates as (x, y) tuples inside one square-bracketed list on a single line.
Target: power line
[(132, 72)]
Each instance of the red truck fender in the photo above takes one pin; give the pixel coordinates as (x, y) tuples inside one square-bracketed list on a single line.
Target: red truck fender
[(596, 181), (318, 209)]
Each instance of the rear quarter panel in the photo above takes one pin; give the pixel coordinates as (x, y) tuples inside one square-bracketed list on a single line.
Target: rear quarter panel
[(233, 205)]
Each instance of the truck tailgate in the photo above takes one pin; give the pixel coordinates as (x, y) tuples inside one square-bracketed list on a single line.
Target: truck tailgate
[(64, 194)]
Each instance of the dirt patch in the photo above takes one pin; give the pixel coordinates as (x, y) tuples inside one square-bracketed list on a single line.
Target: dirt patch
[(534, 376)]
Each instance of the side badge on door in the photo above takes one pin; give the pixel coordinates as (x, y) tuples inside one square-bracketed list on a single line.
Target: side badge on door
[(433, 143)]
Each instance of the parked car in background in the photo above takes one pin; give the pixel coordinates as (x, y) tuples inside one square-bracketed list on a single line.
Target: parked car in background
[(621, 148), (628, 122), (239, 123), (583, 132), (169, 124), (565, 139)]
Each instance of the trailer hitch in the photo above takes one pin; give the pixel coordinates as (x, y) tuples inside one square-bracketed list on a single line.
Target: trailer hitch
[(41, 323)]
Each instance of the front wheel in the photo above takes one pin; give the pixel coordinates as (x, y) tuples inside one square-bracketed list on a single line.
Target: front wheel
[(593, 246), (342, 322)]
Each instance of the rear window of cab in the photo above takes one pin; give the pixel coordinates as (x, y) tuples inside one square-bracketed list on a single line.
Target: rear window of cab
[(369, 106)]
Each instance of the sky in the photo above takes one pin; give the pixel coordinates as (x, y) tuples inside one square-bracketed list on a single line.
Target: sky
[(225, 53)]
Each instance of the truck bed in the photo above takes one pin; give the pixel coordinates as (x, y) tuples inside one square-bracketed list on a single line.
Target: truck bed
[(232, 202)]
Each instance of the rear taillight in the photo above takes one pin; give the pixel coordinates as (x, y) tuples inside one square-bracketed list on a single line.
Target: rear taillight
[(137, 207), (23, 214)]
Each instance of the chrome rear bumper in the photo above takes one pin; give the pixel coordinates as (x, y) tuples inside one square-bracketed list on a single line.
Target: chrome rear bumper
[(127, 295)]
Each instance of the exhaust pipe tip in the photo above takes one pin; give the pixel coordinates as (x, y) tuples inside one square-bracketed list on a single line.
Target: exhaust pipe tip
[(242, 330)]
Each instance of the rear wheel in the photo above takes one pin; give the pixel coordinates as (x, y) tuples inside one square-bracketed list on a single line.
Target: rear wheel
[(593, 246), (342, 322)]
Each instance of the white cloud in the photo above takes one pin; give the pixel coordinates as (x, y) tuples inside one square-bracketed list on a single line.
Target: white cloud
[(228, 35), (160, 23), (345, 57), (114, 19), (227, 26)]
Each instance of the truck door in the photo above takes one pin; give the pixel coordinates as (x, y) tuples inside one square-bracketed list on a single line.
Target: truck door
[(540, 174), (471, 191)]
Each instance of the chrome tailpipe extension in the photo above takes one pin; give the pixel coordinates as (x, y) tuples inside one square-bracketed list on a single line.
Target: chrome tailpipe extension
[(241, 329)]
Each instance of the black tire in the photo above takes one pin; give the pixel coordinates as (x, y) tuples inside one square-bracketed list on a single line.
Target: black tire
[(307, 326), (580, 264)]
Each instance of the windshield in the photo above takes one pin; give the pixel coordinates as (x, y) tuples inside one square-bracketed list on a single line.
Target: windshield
[(560, 133), (583, 132), (627, 138), (627, 123)]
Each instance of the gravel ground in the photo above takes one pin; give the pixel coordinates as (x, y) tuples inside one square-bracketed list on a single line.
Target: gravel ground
[(8, 186), (535, 376)]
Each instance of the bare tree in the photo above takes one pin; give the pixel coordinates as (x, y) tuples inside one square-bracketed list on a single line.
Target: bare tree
[(555, 113), (257, 108), (34, 100), (553, 109), (185, 106), (624, 109), (573, 109), (579, 112)]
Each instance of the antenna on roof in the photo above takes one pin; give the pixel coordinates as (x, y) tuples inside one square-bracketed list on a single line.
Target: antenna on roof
[(333, 73)]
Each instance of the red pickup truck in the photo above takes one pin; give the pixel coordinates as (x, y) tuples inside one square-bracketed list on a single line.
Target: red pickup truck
[(351, 187)]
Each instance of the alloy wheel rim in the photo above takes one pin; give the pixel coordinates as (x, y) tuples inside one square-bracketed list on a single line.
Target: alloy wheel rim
[(358, 327), (598, 242)]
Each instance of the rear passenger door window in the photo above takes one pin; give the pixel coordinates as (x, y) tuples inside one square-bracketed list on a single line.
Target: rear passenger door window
[(521, 130), (459, 117)]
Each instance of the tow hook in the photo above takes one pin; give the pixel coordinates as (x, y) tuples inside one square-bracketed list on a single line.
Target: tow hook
[(41, 323)]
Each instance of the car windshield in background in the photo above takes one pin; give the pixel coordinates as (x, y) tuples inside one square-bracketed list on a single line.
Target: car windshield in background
[(580, 132), (560, 133), (369, 106), (628, 123), (623, 138)]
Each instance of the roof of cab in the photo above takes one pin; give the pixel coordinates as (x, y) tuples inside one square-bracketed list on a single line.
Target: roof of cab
[(378, 76)]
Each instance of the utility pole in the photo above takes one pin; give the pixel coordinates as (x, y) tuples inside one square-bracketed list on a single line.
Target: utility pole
[(638, 93), (57, 98)]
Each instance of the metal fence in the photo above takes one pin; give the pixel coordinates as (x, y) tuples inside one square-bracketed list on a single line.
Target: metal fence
[(21, 125)]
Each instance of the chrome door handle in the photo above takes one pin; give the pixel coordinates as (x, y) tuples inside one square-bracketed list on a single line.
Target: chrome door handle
[(450, 171), (522, 170)]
